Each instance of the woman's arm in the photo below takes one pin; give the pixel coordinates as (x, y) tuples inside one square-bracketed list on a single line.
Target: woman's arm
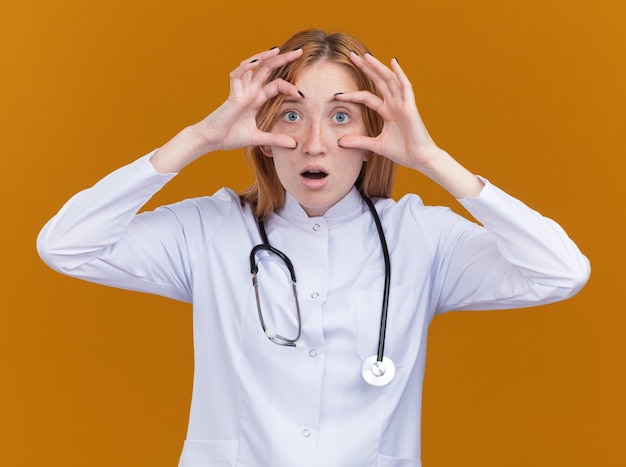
[(519, 258), (404, 138), (98, 236), (516, 258)]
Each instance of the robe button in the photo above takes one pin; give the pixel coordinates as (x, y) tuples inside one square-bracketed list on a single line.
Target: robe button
[(306, 433), (315, 295), (316, 227)]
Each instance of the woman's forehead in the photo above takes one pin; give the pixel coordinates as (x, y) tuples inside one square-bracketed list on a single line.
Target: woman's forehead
[(326, 75)]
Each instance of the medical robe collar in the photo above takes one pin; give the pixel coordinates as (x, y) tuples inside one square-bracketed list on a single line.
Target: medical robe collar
[(347, 209)]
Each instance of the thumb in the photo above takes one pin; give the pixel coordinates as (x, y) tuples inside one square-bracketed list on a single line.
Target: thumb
[(275, 139), (358, 142)]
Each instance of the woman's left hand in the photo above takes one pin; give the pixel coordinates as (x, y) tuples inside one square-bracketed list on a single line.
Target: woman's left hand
[(404, 138)]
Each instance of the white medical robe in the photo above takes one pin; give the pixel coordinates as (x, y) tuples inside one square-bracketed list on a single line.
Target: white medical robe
[(257, 404)]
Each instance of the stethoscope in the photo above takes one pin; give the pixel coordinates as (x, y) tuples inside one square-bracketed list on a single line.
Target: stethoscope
[(377, 370)]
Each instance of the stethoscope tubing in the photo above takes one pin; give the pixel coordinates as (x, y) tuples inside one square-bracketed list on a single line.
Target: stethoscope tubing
[(385, 305), (377, 370)]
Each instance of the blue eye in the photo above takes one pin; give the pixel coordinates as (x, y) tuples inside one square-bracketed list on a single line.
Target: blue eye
[(291, 116), (341, 117)]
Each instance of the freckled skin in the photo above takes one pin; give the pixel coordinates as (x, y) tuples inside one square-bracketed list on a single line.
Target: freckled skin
[(316, 123)]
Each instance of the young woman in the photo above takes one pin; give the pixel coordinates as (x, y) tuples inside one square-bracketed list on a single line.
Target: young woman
[(296, 362)]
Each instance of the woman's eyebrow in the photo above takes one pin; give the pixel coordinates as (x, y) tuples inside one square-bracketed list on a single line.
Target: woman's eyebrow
[(291, 101), (329, 101)]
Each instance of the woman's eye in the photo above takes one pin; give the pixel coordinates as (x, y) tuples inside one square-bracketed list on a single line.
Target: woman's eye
[(341, 117), (291, 116)]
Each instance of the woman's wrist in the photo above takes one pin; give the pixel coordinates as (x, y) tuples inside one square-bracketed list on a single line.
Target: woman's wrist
[(451, 175), (188, 145)]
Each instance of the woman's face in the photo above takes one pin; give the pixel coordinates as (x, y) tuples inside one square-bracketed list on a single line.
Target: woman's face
[(318, 173)]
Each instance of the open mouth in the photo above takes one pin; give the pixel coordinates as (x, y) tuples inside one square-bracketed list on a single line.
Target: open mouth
[(314, 174)]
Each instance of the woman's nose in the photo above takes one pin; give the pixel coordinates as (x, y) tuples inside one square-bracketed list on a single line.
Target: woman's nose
[(315, 140)]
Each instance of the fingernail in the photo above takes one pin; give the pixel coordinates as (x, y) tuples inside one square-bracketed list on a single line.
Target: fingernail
[(396, 59), (337, 93), (275, 47), (301, 94), (354, 52), (297, 48), (367, 52), (254, 61)]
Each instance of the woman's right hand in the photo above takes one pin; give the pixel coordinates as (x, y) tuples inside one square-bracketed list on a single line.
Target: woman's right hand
[(233, 124)]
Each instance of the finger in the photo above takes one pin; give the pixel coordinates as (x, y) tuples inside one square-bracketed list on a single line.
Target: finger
[(380, 71), (264, 55), (366, 98), (384, 78), (366, 68), (367, 143), (253, 62), (265, 67), (257, 66), (264, 138), (406, 84), (280, 86)]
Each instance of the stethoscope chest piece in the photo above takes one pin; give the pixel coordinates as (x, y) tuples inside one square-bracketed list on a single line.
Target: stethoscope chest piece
[(378, 373)]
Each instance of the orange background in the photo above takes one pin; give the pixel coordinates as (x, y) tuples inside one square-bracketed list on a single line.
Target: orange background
[(530, 94)]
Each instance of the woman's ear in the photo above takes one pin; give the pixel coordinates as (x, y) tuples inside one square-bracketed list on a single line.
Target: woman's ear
[(266, 150)]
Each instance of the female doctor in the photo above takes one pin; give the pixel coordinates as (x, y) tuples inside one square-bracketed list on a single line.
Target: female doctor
[(312, 291)]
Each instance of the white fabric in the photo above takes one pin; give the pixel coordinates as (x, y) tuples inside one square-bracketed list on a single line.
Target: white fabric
[(259, 404)]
